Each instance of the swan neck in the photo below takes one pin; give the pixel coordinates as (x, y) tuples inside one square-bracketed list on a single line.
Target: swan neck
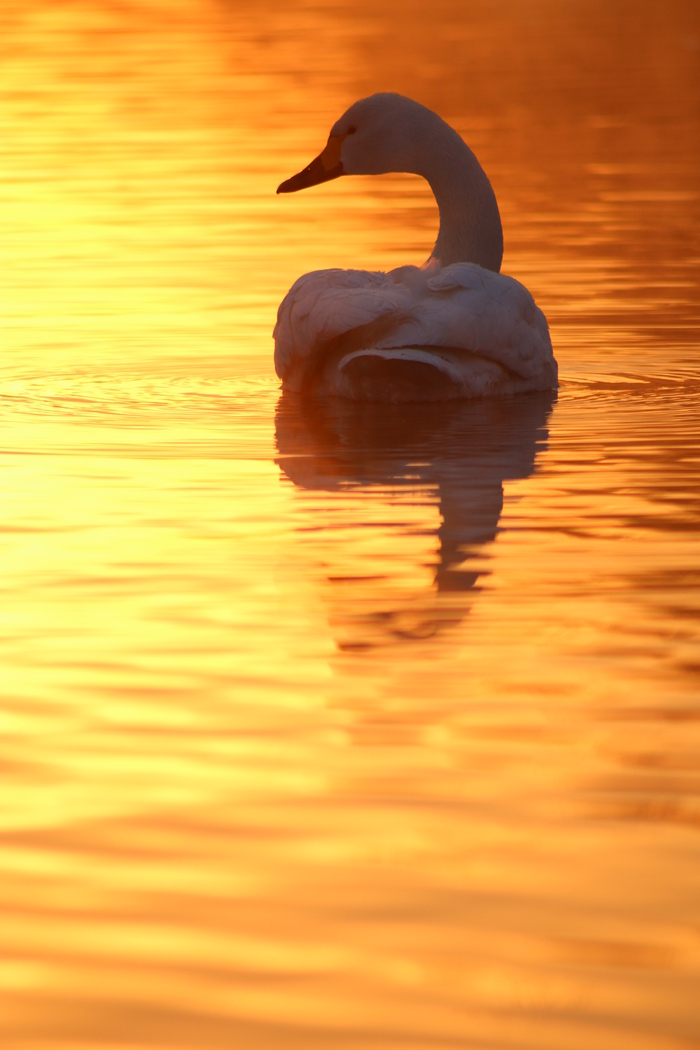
[(470, 222)]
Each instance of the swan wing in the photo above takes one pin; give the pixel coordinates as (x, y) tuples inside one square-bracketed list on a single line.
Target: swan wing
[(489, 314), (326, 304)]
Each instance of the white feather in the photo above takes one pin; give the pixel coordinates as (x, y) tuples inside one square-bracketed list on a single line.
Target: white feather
[(481, 329)]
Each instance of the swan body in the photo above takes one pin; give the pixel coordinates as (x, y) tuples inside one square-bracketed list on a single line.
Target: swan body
[(453, 328)]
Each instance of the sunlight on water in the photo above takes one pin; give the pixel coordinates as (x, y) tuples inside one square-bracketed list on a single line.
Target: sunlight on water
[(324, 726)]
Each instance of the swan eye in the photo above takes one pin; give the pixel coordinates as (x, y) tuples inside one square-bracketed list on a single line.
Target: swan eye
[(351, 130)]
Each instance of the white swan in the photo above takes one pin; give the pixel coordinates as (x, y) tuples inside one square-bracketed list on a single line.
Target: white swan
[(454, 327)]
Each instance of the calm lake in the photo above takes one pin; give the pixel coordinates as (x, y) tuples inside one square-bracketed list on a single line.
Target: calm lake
[(328, 726)]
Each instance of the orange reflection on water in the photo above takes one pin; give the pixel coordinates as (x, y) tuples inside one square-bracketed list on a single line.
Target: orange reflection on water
[(326, 728)]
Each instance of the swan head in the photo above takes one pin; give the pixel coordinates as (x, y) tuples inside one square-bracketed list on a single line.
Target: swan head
[(380, 134), (391, 133)]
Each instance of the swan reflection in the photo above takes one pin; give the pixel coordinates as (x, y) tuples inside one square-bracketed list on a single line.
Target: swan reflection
[(402, 502)]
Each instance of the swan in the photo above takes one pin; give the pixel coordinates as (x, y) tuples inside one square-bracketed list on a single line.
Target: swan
[(452, 328)]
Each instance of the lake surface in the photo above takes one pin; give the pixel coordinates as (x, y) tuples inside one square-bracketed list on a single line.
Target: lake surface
[(324, 726)]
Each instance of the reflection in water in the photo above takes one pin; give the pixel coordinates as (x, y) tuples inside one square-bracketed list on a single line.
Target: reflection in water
[(455, 456)]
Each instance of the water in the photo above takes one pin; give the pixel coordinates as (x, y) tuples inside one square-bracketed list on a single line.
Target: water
[(322, 727)]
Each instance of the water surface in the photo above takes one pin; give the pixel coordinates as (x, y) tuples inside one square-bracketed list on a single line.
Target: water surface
[(323, 726)]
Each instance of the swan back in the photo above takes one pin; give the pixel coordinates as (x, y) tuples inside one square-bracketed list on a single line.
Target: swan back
[(412, 335)]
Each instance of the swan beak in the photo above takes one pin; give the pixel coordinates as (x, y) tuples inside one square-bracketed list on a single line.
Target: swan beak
[(325, 167)]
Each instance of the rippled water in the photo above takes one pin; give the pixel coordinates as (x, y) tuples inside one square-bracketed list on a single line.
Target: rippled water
[(324, 727)]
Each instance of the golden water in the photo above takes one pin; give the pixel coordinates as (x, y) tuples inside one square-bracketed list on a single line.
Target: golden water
[(323, 727)]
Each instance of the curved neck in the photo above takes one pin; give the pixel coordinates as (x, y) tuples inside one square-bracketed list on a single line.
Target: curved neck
[(470, 223)]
